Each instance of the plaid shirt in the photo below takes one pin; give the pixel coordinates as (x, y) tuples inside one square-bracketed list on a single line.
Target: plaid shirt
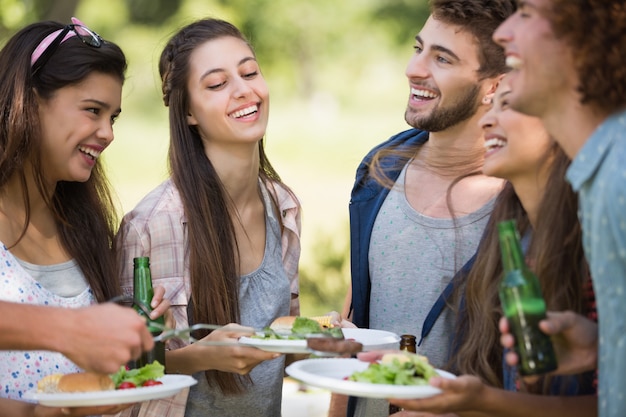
[(157, 228)]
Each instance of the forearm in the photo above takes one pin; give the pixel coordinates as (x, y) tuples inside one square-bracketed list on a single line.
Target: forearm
[(21, 321), (12, 408), (338, 405), (500, 403), (191, 359), (15, 408), (181, 361)]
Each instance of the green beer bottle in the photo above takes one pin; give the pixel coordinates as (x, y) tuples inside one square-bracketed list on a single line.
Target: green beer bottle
[(143, 292), (523, 305)]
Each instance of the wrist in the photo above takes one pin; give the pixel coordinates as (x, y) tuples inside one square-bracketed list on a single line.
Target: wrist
[(58, 323), (487, 399), (185, 360)]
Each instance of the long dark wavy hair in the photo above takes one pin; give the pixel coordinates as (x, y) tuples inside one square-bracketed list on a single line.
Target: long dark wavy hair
[(211, 244), (84, 211), (557, 259)]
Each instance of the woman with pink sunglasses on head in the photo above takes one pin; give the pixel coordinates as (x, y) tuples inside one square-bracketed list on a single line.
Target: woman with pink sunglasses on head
[(60, 93)]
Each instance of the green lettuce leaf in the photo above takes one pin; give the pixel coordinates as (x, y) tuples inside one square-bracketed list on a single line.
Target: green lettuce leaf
[(415, 371), (152, 370)]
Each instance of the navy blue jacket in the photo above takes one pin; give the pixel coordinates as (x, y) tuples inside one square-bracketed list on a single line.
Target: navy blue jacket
[(366, 199)]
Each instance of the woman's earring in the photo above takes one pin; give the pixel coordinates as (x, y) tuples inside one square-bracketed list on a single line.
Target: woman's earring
[(486, 100)]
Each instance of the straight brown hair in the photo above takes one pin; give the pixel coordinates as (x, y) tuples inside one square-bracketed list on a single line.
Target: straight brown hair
[(211, 245)]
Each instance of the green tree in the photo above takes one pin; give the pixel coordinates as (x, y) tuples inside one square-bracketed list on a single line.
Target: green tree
[(323, 285), (401, 18), (300, 37), (152, 12), (16, 13)]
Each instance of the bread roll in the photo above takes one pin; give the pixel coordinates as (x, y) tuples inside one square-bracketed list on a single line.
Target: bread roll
[(283, 324), (48, 384), (78, 382)]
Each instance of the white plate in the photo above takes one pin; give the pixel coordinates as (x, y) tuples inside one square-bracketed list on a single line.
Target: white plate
[(276, 345), (172, 384), (330, 373), (371, 340)]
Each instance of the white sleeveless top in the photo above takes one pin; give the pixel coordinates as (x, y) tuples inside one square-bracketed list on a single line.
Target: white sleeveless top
[(20, 370)]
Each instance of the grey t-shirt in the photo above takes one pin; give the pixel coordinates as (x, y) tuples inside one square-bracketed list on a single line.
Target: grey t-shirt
[(412, 259), (264, 295)]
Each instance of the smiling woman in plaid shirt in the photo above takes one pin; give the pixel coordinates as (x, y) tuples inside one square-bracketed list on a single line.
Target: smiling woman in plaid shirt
[(223, 233)]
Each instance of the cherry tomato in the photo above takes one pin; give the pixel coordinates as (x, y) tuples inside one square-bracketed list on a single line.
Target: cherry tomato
[(151, 383), (126, 385)]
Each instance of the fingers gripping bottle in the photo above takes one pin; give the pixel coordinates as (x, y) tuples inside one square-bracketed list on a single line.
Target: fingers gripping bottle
[(523, 305), (143, 292)]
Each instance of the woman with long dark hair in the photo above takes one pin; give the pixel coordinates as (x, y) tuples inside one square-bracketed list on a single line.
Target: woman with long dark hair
[(223, 232), (60, 92)]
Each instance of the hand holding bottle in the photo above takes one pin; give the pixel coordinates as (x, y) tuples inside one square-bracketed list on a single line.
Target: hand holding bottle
[(160, 307), (144, 293), (575, 341), (523, 305)]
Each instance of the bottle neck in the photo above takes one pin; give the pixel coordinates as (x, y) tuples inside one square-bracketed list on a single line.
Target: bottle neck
[(142, 286), (408, 343), (510, 247), (512, 254), (143, 291)]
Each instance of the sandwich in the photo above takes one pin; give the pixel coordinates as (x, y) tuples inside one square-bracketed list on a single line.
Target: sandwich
[(145, 376)]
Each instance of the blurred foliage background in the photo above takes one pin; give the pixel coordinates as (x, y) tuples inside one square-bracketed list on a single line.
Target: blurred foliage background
[(336, 74)]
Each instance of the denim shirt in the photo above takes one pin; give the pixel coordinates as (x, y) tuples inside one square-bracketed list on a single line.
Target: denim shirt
[(598, 174)]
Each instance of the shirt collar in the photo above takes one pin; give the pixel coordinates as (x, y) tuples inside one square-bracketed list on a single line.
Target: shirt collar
[(591, 155)]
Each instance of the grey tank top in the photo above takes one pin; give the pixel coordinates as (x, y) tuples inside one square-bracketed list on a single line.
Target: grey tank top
[(264, 295), (65, 279), (412, 259)]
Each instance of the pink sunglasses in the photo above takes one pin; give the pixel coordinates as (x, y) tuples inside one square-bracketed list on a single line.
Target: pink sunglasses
[(50, 43)]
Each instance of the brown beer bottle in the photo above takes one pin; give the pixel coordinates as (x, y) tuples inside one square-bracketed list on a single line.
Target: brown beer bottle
[(408, 343), (523, 305)]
